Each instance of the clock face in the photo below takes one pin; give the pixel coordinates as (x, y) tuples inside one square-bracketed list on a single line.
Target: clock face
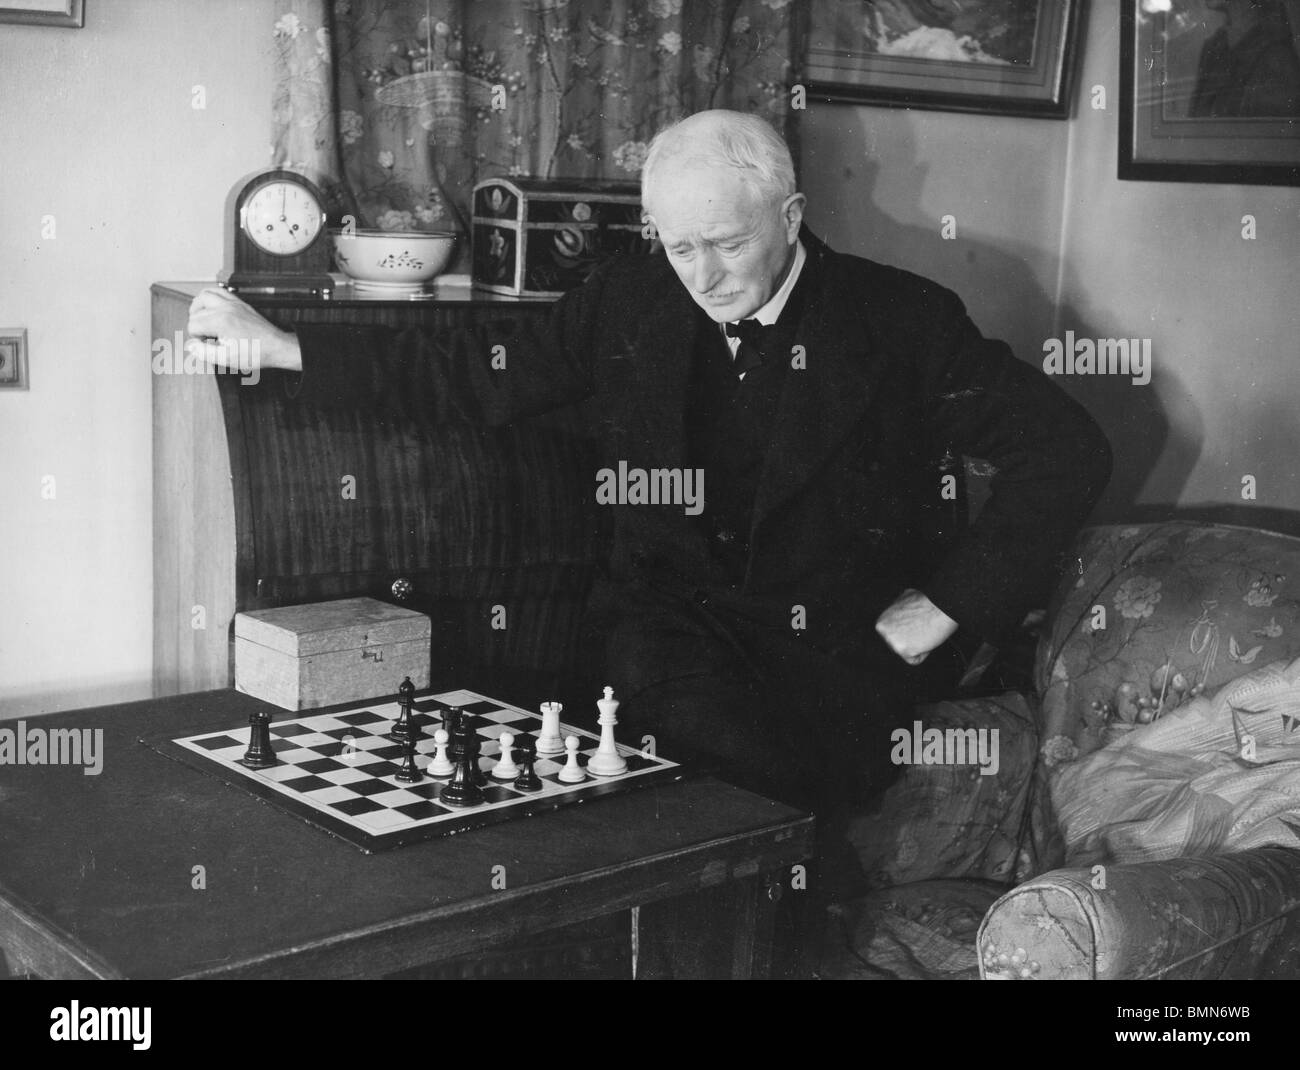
[(282, 218)]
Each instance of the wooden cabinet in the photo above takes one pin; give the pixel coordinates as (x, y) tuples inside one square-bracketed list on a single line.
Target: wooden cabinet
[(250, 509)]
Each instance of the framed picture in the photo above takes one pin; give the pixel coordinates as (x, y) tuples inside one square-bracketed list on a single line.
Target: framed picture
[(44, 12), (13, 358), (1210, 91), (1014, 57)]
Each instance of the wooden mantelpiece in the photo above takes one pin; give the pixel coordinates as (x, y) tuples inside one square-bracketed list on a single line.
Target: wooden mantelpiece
[(249, 514)]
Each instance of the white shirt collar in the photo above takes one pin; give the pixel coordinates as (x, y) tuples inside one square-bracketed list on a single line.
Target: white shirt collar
[(771, 312)]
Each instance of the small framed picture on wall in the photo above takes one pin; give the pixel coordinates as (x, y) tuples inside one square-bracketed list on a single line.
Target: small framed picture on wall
[(44, 12), (13, 358)]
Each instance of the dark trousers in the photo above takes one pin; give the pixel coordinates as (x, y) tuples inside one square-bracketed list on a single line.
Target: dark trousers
[(752, 702), (753, 699)]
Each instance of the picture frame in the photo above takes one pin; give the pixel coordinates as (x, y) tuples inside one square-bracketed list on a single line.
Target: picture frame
[(69, 13), (1002, 57), (1192, 111), (13, 358)]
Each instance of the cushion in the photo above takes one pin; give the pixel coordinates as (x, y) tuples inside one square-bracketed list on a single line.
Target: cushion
[(1216, 775), (941, 820), (1151, 616)]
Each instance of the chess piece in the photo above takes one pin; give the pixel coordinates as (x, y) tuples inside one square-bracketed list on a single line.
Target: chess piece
[(528, 779), (471, 725), (505, 769), (410, 772), (463, 791), (441, 764), (607, 761), (572, 773), (260, 753), (405, 724), (453, 716), (549, 740)]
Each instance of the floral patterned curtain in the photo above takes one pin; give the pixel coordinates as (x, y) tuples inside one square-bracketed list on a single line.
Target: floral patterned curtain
[(402, 105)]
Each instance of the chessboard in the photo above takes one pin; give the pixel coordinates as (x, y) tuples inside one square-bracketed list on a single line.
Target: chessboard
[(339, 770)]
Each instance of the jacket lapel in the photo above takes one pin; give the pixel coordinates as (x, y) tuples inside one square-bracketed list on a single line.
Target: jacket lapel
[(664, 346), (821, 402)]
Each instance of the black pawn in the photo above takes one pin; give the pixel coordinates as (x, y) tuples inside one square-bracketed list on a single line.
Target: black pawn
[(410, 772), (405, 724), (260, 754), (526, 748), (462, 790)]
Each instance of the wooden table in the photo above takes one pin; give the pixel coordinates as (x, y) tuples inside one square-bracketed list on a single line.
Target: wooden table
[(97, 872)]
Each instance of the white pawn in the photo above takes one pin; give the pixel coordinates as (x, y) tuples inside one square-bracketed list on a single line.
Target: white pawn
[(441, 764), (607, 761), (572, 773), (505, 769), (549, 740)]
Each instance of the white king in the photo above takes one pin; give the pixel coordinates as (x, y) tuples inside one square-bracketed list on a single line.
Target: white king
[(607, 761)]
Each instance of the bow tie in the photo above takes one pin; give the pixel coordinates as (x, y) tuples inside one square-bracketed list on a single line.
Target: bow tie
[(749, 330), (752, 335)]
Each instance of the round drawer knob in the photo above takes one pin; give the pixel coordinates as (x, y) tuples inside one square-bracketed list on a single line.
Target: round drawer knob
[(402, 588)]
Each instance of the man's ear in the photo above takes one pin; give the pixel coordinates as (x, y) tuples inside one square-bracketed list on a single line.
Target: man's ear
[(792, 215)]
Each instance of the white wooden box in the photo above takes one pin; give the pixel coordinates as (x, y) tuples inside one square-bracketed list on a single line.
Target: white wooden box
[(304, 657)]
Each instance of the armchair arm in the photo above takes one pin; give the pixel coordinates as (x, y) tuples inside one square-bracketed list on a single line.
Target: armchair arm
[(1184, 918)]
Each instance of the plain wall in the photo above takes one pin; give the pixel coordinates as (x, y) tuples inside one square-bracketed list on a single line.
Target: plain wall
[(99, 132), (881, 180), (1049, 240)]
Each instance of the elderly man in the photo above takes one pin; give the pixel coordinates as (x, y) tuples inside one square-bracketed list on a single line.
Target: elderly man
[(777, 627)]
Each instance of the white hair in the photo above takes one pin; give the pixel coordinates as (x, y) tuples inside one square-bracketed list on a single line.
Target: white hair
[(744, 143)]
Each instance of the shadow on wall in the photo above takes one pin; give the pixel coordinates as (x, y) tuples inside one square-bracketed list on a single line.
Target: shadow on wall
[(1002, 280), (1155, 430)]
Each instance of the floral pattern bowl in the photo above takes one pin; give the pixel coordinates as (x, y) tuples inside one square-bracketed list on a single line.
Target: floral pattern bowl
[(391, 259)]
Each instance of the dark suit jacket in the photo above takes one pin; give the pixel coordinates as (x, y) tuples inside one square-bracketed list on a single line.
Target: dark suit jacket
[(896, 374)]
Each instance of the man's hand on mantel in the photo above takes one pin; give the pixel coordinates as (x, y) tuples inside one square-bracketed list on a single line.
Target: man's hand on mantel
[(225, 323), (914, 626)]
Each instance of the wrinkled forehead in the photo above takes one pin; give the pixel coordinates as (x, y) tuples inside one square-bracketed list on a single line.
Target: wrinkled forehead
[(689, 192)]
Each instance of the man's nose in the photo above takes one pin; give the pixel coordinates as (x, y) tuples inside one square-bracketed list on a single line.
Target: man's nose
[(707, 271)]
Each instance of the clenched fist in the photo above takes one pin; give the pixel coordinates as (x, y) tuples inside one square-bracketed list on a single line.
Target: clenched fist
[(913, 626), (222, 320)]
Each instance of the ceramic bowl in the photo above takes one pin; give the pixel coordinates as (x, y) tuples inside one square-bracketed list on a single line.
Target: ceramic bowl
[(391, 259)]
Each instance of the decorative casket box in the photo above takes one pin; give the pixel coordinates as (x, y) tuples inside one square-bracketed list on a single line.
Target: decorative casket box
[(537, 237), (304, 657)]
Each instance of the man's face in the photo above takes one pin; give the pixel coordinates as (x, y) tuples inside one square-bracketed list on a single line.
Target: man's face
[(729, 247)]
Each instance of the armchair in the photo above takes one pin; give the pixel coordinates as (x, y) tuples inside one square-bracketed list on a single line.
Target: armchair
[(980, 877)]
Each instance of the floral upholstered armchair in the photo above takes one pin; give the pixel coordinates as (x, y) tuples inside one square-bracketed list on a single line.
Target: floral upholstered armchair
[(1144, 820)]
